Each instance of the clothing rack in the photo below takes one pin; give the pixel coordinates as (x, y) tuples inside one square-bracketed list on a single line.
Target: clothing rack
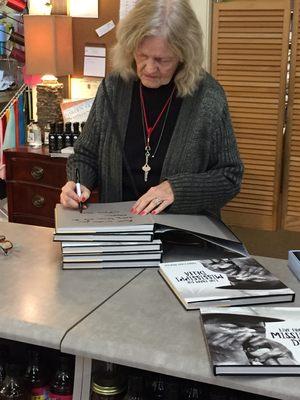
[(15, 96)]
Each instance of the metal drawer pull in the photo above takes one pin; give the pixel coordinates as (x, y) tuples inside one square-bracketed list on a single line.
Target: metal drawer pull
[(38, 201), (37, 173)]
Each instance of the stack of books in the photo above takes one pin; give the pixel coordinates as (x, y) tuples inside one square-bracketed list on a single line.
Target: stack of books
[(106, 236)]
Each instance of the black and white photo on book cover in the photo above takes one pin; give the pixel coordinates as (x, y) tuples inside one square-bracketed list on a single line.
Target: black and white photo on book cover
[(225, 281), (253, 340)]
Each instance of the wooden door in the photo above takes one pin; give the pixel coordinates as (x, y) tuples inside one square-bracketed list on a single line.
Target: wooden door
[(291, 182), (249, 58)]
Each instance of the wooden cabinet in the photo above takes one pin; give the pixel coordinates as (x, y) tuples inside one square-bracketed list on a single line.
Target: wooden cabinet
[(34, 181)]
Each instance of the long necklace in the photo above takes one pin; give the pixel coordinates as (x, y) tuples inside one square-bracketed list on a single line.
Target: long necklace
[(148, 130)]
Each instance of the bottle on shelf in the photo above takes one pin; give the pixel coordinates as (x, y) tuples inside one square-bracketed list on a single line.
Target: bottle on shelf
[(108, 383), (159, 387), (193, 392), (60, 136), (35, 377), (3, 362), (135, 387), (52, 138), (61, 387), (12, 388), (34, 135), (173, 389), (68, 135), (47, 130), (76, 132), (82, 126)]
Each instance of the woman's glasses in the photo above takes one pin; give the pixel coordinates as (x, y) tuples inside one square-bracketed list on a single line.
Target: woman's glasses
[(5, 245)]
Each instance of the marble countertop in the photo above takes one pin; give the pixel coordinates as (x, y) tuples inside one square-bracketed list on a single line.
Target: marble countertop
[(40, 302), (127, 316)]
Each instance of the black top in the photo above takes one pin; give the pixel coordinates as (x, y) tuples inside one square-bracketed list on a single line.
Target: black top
[(134, 146)]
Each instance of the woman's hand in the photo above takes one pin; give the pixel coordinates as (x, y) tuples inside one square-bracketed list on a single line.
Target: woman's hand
[(155, 200), (69, 197)]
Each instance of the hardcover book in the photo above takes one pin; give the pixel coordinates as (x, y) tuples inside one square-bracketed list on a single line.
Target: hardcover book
[(109, 247), (135, 256), (111, 264), (101, 218), (104, 237), (224, 282), (253, 340)]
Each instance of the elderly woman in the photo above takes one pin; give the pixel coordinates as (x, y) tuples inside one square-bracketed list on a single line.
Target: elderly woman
[(174, 126)]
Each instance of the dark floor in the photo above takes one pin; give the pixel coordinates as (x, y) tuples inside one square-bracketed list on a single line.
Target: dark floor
[(266, 243)]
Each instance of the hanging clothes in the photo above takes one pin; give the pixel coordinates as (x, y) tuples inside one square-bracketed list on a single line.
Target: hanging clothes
[(16, 112), (2, 166), (22, 131), (10, 131), (12, 126)]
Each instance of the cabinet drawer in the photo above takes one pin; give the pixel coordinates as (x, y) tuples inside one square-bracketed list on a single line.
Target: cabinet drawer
[(36, 200), (38, 171)]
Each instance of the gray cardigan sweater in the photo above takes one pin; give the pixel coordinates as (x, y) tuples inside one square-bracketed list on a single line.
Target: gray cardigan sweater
[(202, 163)]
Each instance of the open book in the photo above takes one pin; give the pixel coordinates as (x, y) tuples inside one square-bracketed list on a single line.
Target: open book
[(224, 282), (116, 220), (253, 340)]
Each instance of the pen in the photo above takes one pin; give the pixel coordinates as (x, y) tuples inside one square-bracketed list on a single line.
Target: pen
[(78, 189)]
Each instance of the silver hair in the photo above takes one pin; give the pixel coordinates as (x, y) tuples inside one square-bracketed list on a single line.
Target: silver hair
[(175, 21)]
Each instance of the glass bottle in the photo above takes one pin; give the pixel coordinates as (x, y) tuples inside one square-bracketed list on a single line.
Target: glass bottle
[(30, 133), (159, 386), (60, 136), (35, 377), (3, 361), (61, 387), (34, 135), (135, 388), (12, 387), (173, 389), (68, 142), (47, 130), (82, 126), (52, 138), (76, 132), (192, 393), (108, 383)]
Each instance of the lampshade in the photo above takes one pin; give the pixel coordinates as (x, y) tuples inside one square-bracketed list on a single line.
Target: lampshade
[(48, 44)]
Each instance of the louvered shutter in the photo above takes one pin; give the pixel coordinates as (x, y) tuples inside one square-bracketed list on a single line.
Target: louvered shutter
[(249, 58), (291, 184)]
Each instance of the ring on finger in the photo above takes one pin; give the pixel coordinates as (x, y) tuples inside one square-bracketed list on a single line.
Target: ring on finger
[(157, 201)]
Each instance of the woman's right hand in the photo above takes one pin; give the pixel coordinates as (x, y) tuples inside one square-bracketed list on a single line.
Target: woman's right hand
[(69, 197)]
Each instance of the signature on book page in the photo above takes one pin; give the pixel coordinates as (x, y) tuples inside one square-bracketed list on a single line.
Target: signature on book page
[(105, 217)]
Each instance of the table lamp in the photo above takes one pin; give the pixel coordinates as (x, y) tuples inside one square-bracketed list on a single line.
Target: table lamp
[(48, 52)]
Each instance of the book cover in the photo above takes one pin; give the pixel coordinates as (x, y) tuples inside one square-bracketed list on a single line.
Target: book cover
[(225, 281), (252, 340)]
